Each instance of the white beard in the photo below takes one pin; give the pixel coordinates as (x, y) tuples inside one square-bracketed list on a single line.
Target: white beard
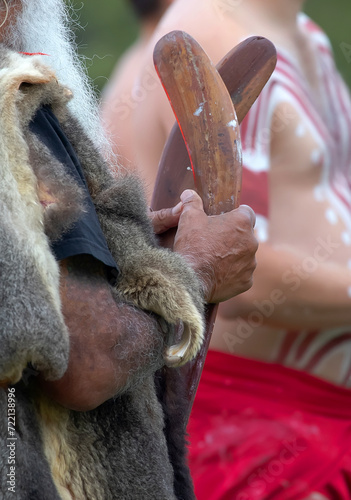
[(44, 27)]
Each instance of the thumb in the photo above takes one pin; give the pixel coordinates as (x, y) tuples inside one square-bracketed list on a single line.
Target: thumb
[(191, 199)]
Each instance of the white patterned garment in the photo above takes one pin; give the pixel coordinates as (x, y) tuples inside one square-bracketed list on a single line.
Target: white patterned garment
[(331, 131)]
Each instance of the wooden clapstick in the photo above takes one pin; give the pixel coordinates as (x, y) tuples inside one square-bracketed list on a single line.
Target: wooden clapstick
[(203, 149)]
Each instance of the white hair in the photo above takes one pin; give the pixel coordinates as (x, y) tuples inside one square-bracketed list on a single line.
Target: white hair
[(45, 26)]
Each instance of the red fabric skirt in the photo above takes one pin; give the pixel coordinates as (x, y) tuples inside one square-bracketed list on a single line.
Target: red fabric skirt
[(263, 431)]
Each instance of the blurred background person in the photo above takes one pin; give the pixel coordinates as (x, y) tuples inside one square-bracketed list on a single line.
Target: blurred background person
[(272, 416), (123, 91), (110, 30)]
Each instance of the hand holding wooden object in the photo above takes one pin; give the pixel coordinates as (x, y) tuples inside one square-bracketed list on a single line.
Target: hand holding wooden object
[(203, 150)]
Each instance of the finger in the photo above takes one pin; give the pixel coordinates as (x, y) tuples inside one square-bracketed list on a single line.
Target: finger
[(164, 219), (191, 199), (249, 213)]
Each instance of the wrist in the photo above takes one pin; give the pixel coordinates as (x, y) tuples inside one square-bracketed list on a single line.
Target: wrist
[(204, 274)]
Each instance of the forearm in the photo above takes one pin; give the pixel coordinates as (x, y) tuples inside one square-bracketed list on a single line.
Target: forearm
[(293, 290), (111, 344)]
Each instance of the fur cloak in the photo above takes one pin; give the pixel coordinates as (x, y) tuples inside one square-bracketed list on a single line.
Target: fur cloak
[(118, 451)]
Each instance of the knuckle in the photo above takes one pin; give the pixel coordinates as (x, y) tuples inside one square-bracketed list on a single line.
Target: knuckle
[(248, 215), (248, 278), (249, 283), (254, 245), (163, 214)]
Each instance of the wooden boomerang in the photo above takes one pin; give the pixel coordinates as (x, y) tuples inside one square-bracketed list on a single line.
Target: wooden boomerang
[(204, 148), (245, 70)]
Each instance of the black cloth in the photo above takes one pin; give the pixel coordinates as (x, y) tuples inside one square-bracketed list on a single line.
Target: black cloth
[(86, 236)]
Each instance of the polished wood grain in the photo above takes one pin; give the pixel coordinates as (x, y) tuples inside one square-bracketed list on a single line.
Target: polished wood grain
[(203, 151), (245, 70)]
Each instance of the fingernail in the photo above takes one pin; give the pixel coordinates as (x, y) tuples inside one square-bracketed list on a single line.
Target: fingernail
[(186, 195), (177, 209)]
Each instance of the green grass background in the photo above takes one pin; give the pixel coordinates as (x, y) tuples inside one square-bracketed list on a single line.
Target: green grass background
[(110, 26)]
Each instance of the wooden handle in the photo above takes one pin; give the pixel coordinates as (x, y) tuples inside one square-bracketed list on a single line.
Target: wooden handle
[(192, 86)]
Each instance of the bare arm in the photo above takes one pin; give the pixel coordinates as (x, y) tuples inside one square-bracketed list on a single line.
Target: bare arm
[(296, 290), (110, 344)]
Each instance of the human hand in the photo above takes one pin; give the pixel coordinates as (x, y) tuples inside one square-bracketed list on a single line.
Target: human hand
[(221, 249), (166, 218)]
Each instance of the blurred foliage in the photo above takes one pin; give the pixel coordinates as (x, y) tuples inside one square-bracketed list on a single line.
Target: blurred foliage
[(335, 18), (110, 27)]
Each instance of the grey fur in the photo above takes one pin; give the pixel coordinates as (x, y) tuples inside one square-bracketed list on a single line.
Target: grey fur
[(33, 477), (59, 217), (30, 328), (119, 450)]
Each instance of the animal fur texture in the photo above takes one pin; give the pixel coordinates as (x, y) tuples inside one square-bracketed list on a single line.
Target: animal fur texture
[(119, 450), (151, 278), (32, 326)]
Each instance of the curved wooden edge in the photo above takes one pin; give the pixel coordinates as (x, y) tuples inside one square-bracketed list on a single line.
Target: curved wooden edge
[(206, 118), (245, 70)]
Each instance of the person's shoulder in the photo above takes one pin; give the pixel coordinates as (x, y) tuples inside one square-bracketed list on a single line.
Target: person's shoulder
[(124, 72), (215, 34), (315, 32), (175, 19)]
